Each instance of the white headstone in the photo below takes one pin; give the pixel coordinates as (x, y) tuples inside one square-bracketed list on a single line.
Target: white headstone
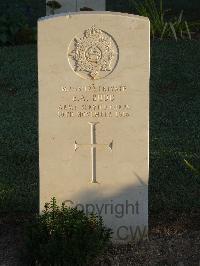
[(76, 5), (94, 116)]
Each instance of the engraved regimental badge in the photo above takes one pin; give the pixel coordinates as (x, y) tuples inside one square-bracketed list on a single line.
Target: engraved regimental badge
[(93, 55)]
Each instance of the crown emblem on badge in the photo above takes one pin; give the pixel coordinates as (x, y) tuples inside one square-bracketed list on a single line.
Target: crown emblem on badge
[(94, 55)]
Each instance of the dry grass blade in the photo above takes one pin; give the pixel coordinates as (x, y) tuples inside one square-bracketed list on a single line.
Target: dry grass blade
[(181, 32), (180, 17), (173, 30), (164, 29), (191, 167), (188, 31)]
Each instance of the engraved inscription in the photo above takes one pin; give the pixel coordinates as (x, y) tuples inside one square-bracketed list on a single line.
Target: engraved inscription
[(93, 55), (94, 102), (93, 145)]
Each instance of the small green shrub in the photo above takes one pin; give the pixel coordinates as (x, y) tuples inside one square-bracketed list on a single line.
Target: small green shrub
[(15, 29), (8, 31), (65, 236)]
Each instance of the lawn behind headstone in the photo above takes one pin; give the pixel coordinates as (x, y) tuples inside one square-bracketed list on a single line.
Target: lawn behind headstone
[(174, 127)]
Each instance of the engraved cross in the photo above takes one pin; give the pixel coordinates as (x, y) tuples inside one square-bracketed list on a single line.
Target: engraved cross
[(93, 145)]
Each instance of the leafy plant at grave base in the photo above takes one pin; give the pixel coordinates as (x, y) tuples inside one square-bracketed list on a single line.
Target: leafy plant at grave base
[(65, 236), (53, 6), (161, 27)]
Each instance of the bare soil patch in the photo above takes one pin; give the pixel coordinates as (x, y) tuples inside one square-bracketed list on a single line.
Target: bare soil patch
[(174, 239)]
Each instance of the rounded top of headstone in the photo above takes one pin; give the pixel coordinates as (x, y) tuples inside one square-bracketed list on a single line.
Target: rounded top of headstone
[(92, 13)]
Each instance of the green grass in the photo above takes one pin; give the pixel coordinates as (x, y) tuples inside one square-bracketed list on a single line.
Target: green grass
[(174, 127), (18, 129)]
